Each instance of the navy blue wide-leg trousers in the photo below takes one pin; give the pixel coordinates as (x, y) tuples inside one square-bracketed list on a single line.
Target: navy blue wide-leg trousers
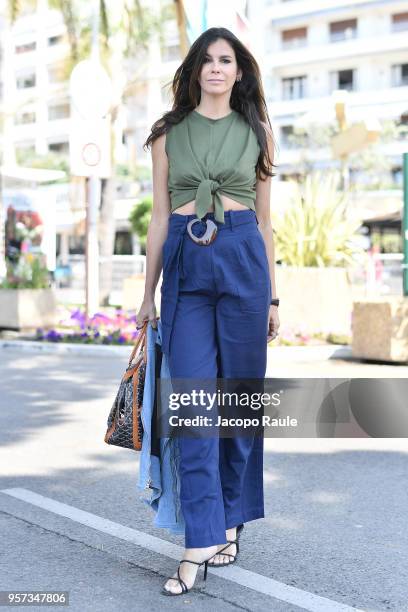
[(214, 313)]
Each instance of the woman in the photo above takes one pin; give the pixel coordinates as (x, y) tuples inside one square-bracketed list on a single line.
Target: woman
[(212, 160)]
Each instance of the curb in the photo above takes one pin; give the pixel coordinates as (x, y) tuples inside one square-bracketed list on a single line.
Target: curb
[(309, 353), (312, 353), (36, 346)]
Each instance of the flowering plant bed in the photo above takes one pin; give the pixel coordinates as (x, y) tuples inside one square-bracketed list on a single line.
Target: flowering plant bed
[(111, 327), (290, 336), (118, 327)]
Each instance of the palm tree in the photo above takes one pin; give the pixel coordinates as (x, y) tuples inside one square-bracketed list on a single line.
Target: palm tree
[(316, 229), (125, 31)]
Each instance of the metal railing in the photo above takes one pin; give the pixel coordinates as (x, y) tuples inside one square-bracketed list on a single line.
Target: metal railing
[(379, 275), (72, 274)]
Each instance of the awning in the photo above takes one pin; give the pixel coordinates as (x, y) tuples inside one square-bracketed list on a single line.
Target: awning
[(324, 113), (32, 175)]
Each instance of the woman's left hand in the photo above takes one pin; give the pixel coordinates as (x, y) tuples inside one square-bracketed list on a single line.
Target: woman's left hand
[(273, 323)]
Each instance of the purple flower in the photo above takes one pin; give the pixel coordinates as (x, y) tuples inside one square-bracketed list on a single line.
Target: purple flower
[(53, 335), (77, 315), (80, 317)]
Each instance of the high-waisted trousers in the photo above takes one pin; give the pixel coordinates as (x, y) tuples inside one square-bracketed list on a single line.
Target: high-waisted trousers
[(214, 313)]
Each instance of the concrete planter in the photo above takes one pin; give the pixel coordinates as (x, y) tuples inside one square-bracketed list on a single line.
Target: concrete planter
[(380, 329), (318, 299), (133, 291), (27, 308)]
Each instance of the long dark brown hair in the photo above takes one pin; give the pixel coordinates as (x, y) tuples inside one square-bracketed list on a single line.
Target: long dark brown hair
[(247, 95)]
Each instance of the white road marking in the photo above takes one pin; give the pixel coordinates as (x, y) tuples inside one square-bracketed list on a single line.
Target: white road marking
[(243, 577)]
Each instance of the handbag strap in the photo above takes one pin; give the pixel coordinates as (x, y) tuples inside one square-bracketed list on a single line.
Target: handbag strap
[(142, 338), (141, 341)]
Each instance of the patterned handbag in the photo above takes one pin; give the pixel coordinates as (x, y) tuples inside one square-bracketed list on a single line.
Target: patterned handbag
[(124, 421)]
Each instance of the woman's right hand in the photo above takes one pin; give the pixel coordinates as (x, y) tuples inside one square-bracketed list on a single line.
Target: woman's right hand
[(147, 312)]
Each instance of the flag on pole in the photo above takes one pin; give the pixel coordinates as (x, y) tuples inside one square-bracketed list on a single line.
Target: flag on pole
[(196, 18), (199, 15)]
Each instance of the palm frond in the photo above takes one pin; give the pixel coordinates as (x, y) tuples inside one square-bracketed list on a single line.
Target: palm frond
[(316, 230)]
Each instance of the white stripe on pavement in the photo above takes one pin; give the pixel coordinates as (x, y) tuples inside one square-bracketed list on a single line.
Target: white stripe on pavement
[(243, 577)]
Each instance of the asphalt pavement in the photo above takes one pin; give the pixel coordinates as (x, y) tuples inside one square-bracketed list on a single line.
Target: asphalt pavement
[(334, 537)]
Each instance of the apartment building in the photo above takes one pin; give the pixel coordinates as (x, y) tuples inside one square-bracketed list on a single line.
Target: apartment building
[(35, 102), (34, 84), (310, 48), (307, 49)]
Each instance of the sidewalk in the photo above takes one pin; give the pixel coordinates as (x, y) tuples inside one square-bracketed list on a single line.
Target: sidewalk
[(329, 360)]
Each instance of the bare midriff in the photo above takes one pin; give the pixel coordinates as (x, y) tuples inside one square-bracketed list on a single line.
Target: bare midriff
[(189, 208)]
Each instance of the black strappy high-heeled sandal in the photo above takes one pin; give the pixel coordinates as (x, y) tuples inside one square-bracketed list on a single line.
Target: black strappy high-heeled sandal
[(184, 588), (233, 557)]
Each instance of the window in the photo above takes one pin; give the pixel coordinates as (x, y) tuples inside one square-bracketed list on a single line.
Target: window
[(58, 147), (291, 176), (23, 118), (123, 243), (31, 46), (58, 111), (76, 245), (397, 176), (399, 75), (293, 139), (25, 81), (286, 133), (399, 22), (294, 87), (342, 79), (55, 40), (343, 30), (291, 39)]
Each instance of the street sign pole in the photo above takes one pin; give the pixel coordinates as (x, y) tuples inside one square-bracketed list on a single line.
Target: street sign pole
[(92, 209), (3, 267), (90, 88), (92, 246), (405, 229)]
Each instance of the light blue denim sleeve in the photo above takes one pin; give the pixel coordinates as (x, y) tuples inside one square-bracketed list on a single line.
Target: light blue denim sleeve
[(149, 465), (159, 475)]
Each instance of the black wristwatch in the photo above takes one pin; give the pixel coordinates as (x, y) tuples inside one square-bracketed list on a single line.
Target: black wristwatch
[(275, 302)]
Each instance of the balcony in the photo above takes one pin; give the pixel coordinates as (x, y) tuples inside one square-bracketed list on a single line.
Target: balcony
[(282, 13), (350, 48), (387, 103)]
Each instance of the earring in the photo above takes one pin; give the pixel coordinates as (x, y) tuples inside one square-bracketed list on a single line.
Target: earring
[(238, 79)]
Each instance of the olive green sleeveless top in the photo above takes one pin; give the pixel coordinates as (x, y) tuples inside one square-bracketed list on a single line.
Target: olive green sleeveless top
[(208, 157)]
